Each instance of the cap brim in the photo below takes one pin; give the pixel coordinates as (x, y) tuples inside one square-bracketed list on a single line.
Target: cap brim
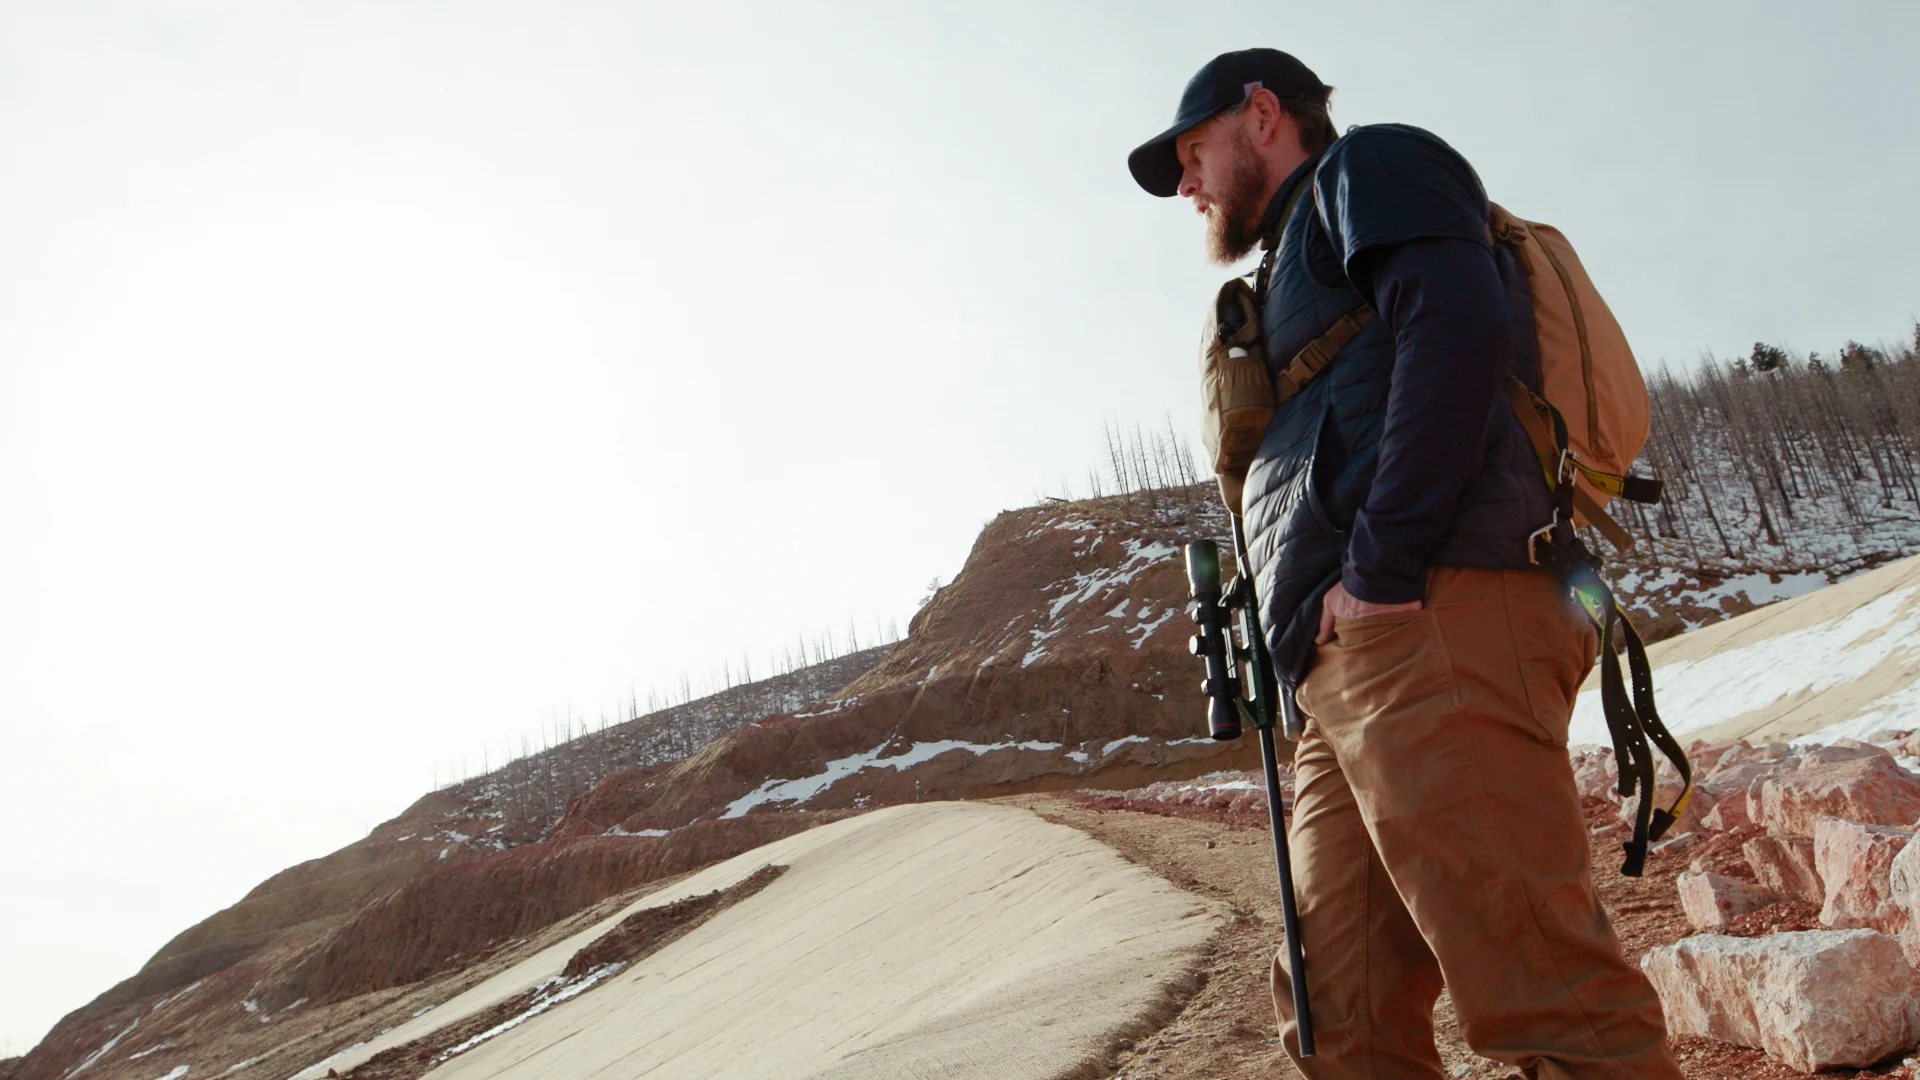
[(1155, 164)]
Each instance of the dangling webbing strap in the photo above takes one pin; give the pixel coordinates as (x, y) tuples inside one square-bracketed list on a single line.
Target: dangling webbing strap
[(1632, 721)]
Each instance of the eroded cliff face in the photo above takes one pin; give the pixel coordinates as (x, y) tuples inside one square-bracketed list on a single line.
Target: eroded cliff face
[(1057, 658)]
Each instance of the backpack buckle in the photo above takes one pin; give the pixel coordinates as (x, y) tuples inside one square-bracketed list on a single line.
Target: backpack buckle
[(1543, 534)]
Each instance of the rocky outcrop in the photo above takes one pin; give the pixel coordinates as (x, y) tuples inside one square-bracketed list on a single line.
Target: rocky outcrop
[(1813, 999)]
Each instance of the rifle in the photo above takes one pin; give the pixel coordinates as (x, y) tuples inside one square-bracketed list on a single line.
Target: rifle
[(1242, 688)]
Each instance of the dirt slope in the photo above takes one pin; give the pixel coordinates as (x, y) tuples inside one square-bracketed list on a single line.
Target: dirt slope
[(942, 939)]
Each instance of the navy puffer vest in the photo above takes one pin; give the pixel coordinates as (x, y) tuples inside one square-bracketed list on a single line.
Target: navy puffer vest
[(1316, 464)]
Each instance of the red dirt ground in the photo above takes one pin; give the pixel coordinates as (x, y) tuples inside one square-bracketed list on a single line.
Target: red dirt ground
[(1226, 1032)]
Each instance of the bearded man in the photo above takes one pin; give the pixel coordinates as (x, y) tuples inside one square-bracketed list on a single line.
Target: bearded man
[(1437, 833)]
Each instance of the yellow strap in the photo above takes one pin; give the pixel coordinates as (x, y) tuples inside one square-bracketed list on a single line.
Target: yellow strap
[(1319, 352)]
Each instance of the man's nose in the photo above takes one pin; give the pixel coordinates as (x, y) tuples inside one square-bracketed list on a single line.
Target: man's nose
[(1189, 184)]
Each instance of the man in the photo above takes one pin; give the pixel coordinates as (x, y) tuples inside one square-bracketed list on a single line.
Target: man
[(1437, 833)]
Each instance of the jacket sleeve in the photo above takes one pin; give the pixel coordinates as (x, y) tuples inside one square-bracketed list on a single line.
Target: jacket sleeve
[(1444, 301)]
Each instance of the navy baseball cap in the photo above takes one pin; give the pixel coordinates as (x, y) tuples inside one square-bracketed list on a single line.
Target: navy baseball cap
[(1226, 80)]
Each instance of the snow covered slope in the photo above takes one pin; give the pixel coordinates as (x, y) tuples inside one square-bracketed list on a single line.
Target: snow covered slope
[(937, 939), (1840, 661)]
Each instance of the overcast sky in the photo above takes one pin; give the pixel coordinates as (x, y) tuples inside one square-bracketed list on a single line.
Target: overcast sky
[(377, 379)]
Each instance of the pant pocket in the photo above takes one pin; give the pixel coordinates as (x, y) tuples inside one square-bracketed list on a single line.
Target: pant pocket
[(1377, 665), (1553, 645)]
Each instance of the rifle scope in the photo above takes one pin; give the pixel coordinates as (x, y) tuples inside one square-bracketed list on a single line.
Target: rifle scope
[(1211, 644)]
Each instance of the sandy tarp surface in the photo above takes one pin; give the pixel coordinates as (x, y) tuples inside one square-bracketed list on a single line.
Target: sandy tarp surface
[(928, 940), (1839, 661)]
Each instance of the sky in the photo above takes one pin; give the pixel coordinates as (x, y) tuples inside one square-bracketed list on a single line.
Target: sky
[(382, 381)]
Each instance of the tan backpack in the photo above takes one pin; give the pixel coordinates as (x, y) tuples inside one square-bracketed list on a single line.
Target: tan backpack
[(1593, 401)]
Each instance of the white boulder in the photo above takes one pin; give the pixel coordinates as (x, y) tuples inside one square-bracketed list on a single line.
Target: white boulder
[(1812, 999), (1855, 862), (1712, 901)]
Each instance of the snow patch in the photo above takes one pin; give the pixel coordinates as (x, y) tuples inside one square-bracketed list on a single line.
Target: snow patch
[(1146, 628), (1084, 587), (828, 708), (1230, 785), (319, 1068), (805, 788), (1120, 742), (178, 1072), (1039, 647), (105, 1050), (555, 991), (1695, 694), (1900, 709), (170, 998), (618, 831), (1762, 589)]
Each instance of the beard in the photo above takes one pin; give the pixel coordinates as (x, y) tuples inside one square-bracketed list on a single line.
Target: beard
[(1233, 216)]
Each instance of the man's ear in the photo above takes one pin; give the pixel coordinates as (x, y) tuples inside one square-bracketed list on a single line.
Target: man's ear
[(1270, 121)]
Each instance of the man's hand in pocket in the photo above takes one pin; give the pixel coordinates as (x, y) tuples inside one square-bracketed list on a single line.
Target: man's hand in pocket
[(1341, 604)]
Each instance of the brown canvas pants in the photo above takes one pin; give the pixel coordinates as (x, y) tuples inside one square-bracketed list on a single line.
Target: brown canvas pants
[(1438, 840)]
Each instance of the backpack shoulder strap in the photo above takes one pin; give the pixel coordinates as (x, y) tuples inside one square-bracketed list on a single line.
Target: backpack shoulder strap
[(1318, 353), (1547, 432)]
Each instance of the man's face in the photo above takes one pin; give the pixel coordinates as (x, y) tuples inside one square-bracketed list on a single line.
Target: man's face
[(1227, 181)]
